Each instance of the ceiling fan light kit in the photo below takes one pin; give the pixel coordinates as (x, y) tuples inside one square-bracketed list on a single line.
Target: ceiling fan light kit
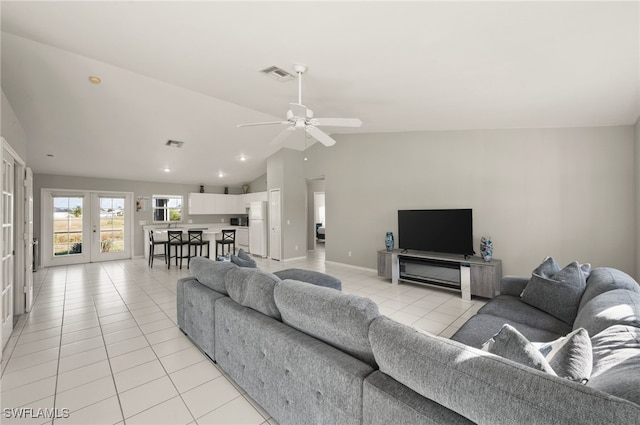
[(301, 117)]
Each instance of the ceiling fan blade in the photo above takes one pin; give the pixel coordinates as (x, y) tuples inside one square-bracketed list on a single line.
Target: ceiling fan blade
[(320, 135), (337, 122), (283, 135), (263, 123)]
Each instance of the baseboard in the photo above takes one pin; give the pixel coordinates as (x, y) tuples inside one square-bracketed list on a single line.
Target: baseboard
[(294, 259), (351, 266)]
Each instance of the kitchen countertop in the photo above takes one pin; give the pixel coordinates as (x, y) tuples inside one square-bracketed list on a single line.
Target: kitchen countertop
[(206, 228)]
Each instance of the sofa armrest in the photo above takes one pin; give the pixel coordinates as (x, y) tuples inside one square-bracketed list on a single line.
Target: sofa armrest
[(513, 285)]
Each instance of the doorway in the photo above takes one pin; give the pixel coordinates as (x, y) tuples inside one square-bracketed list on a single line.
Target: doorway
[(315, 212), (85, 227)]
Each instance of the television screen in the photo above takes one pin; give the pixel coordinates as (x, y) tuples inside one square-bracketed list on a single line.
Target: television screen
[(446, 231)]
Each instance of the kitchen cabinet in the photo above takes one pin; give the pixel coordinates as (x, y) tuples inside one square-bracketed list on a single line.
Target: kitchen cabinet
[(197, 203), (217, 203)]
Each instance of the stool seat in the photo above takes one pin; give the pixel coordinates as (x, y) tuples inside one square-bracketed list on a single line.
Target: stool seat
[(228, 239)]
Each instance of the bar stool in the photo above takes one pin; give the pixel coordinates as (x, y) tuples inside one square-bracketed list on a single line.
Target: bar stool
[(175, 240), (152, 246), (196, 240), (228, 238)]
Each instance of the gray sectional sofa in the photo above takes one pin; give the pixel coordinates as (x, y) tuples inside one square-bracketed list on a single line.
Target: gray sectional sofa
[(314, 355)]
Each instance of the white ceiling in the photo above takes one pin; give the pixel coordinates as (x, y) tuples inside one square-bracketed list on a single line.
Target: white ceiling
[(189, 71)]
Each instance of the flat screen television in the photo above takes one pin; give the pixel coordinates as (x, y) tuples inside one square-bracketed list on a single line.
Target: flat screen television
[(447, 231)]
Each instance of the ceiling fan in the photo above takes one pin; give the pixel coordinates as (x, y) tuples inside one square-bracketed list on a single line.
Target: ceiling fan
[(299, 117)]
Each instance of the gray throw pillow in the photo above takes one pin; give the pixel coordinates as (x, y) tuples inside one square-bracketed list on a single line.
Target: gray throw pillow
[(558, 295), (237, 260), (570, 356), (242, 254), (548, 268), (510, 344)]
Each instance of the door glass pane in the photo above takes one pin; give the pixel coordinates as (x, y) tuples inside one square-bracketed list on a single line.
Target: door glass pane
[(67, 225), (111, 224)]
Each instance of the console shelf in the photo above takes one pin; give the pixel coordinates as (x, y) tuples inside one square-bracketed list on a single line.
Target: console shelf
[(470, 275)]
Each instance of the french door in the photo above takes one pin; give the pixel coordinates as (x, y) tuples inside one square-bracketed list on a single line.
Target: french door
[(7, 250), (83, 227)]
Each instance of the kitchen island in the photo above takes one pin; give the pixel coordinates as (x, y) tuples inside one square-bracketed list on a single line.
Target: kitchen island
[(210, 232)]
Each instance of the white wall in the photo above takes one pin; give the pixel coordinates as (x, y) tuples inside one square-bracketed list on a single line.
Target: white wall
[(285, 172), (567, 192), (12, 131)]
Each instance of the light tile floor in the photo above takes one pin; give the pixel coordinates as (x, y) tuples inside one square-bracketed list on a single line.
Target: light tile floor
[(102, 342)]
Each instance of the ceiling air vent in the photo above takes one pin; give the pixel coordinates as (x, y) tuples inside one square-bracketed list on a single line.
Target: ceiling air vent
[(278, 74), (174, 144)]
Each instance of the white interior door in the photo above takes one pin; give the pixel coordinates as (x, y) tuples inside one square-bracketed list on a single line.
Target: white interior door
[(28, 239), (275, 225), (7, 246)]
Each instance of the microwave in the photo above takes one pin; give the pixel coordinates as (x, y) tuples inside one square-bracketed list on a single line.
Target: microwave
[(235, 221)]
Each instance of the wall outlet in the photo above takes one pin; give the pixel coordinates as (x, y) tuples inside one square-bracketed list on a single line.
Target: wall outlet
[(142, 222), (222, 220), (288, 221), (296, 247), (189, 221), (349, 253)]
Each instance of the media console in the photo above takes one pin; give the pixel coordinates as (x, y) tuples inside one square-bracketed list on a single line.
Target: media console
[(470, 275)]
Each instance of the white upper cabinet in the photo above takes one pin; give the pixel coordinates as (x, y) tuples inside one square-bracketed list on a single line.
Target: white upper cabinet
[(197, 203), (216, 203)]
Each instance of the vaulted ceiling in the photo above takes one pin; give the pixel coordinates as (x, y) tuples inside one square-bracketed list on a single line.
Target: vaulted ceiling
[(189, 71)]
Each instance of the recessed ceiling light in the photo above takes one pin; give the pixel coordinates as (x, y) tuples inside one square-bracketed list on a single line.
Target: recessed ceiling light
[(305, 158), (220, 174), (95, 80), (50, 155), (243, 158), (166, 170)]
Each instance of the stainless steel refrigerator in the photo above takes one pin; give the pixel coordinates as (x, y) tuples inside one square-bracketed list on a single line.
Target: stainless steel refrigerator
[(258, 228)]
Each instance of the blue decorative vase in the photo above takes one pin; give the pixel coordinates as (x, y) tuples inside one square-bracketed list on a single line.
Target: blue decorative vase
[(388, 241), (486, 248)]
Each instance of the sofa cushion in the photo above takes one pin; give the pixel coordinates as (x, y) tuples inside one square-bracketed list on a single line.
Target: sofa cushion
[(386, 401), (616, 307), (211, 273), (508, 343), (558, 295), (488, 389), (310, 276), (514, 309), (477, 330), (253, 288), (339, 319), (616, 362), (605, 279), (569, 356)]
